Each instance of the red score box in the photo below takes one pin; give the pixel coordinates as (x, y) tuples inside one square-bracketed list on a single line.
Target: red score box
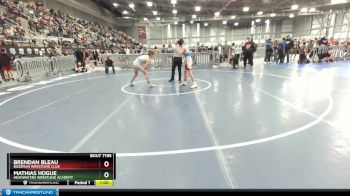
[(106, 164)]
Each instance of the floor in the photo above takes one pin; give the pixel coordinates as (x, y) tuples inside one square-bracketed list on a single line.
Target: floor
[(270, 126)]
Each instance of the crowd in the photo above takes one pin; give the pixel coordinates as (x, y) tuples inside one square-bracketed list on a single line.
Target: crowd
[(49, 22), (308, 50), (95, 38)]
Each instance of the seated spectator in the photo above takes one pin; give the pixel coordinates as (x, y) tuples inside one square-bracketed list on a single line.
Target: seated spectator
[(2, 43), (109, 63), (2, 20), (325, 57)]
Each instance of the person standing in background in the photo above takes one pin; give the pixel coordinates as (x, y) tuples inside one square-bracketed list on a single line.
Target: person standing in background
[(302, 54), (225, 52), (268, 51), (220, 52), (86, 57), (235, 55), (296, 49), (1, 72), (96, 56), (289, 47), (2, 45), (276, 45), (248, 51), (5, 64), (282, 51)]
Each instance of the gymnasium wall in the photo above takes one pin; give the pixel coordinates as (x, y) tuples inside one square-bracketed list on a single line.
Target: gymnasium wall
[(334, 24)]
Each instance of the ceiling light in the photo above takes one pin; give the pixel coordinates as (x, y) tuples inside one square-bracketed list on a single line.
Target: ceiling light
[(176, 22), (155, 13), (173, 2), (291, 16), (267, 21), (304, 10), (205, 24), (125, 12), (217, 14), (295, 7), (233, 17), (131, 5), (258, 20), (115, 4), (126, 17), (338, 1), (197, 8), (191, 21), (174, 11), (224, 22), (260, 13), (149, 3), (158, 18), (273, 14), (145, 19), (194, 16), (312, 9), (245, 9), (236, 23)]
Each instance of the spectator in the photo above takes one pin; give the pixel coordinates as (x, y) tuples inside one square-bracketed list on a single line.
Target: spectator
[(225, 52), (86, 57), (2, 21), (325, 57), (282, 51), (268, 51), (96, 56), (109, 63), (302, 54), (289, 45), (80, 64), (5, 64), (235, 53), (2, 43), (248, 50)]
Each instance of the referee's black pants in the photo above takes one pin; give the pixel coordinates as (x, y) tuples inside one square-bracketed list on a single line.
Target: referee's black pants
[(177, 62)]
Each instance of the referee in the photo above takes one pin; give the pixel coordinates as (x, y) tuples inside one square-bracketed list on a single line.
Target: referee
[(177, 59)]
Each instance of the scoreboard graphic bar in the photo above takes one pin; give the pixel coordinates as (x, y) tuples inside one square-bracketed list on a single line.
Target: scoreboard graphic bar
[(80, 169)]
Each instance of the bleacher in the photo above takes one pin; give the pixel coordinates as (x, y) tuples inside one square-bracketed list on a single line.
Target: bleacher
[(24, 23)]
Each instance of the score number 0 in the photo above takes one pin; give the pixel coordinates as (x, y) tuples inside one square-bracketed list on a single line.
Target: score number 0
[(106, 164)]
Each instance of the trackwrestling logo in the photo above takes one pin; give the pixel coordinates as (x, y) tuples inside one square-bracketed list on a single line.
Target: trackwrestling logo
[(28, 192)]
